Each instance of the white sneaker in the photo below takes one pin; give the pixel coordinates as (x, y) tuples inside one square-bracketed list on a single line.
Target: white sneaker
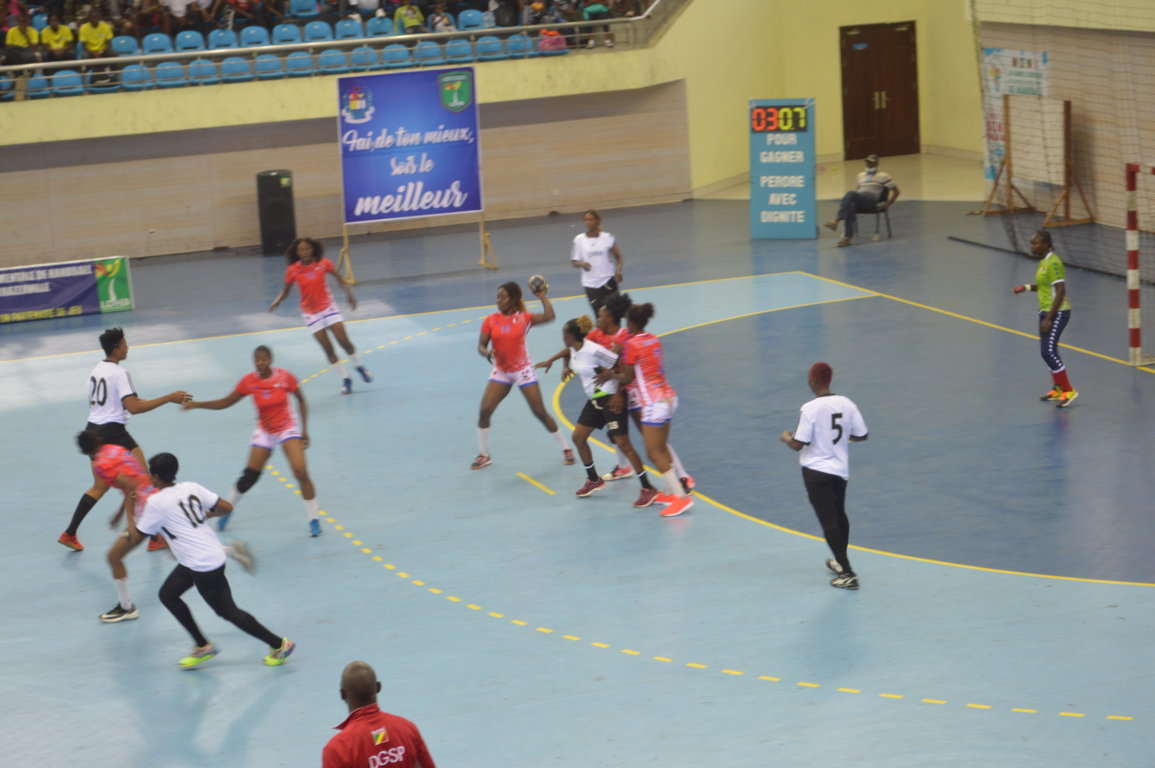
[(591, 43), (609, 43)]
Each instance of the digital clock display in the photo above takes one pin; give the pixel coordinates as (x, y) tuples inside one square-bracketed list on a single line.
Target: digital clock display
[(778, 119)]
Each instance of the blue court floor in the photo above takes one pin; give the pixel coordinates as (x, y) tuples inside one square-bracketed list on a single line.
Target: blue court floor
[(1003, 545)]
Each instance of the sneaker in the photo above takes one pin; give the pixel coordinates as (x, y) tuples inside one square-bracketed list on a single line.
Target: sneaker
[(243, 555), (567, 457), (832, 225), (619, 473), (199, 656), (833, 565), (481, 461), (687, 483), (665, 498), (314, 528), (591, 487), (223, 521), (157, 543), (845, 241), (1066, 399), (1054, 394), (346, 386), (277, 656), (609, 43), (70, 541), (845, 581), (119, 614), (591, 43), (677, 506), (646, 498), (365, 375)]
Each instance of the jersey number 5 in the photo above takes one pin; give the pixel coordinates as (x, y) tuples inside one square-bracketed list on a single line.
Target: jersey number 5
[(834, 425)]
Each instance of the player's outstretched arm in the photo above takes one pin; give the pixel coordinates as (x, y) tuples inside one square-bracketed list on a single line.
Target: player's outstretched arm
[(134, 404), (219, 404)]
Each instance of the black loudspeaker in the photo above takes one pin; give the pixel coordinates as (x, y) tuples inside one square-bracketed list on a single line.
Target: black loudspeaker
[(275, 204)]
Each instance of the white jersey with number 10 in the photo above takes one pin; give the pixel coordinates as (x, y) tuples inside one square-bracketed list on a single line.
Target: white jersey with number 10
[(180, 513), (826, 425)]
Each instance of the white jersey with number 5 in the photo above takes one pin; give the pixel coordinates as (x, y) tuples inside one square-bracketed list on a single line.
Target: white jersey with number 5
[(826, 424), (178, 513), (108, 385)]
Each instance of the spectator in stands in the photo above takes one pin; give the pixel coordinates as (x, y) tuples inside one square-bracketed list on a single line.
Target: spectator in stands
[(198, 17), (94, 36), (236, 14), (595, 10), (150, 17), (874, 191), (58, 41), (506, 13), (409, 20), (22, 43), (365, 9), (537, 12), (441, 20)]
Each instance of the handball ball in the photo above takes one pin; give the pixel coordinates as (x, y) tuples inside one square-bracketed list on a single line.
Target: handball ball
[(537, 284)]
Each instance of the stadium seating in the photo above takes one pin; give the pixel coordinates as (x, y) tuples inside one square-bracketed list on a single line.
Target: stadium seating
[(189, 40), (299, 64), (6, 89), (223, 38), (395, 56), (268, 67), (363, 58), (286, 34), (204, 72), (135, 77), (519, 46), (379, 26), (235, 69), (40, 21), (303, 9), (470, 19), (37, 87), (169, 74), (458, 51), (428, 53), (348, 29), (157, 42), (67, 82), (124, 45), (252, 37), (489, 48), (332, 62), (318, 31)]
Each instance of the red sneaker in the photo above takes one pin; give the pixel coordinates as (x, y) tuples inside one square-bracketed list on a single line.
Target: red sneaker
[(665, 498), (619, 473), (156, 544), (70, 541), (678, 506), (646, 498), (591, 487)]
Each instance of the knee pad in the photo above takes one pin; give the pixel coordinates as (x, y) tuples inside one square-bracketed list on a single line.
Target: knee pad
[(248, 479)]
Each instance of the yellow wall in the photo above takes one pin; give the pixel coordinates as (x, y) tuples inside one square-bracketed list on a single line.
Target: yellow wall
[(1134, 15), (753, 49)]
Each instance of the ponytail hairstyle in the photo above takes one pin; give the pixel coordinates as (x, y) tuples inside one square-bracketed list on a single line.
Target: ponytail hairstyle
[(291, 254), (640, 314), (617, 305), (579, 327), (513, 291)]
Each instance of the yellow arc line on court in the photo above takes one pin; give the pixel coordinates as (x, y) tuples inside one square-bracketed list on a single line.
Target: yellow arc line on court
[(533, 482)]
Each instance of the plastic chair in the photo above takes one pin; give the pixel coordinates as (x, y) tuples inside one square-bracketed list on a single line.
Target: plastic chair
[(299, 64), (222, 38), (254, 37), (235, 69), (489, 48), (395, 56), (363, 59), (204, 72), (470, 20), (303, 9), (169, 74), (332, 62), (268, 67), (519, 46), (458, 51), (428, 53), (124, 45), (348, 29), (190, 40), (136, 77), (318, 31), (6, 91), (379, 26), (286, 34), (40, 21), (37, 87), (878, 215), (157, 42), (67, 82)]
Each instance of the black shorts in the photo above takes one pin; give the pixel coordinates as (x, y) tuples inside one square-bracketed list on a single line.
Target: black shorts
[(598, 296), (597, 415), (113, 433)]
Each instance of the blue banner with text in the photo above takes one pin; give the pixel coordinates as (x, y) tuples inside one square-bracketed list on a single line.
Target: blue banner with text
[(783, 196)]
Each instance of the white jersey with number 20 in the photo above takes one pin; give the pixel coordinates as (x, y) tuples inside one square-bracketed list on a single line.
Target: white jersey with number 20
[(179, 514), (108, 385), (826, 424)]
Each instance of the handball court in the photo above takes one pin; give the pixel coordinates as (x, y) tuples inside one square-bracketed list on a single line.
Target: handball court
[(1003, 545)]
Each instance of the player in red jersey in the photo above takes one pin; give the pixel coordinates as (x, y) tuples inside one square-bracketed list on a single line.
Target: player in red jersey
[(369, 737), (642, 364), (307, 270), (276, 425), (506, 330)]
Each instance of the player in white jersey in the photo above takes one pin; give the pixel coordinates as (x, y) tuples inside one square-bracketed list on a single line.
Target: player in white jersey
[(179, 512), (592, 252), (825, 426), (112, 399)]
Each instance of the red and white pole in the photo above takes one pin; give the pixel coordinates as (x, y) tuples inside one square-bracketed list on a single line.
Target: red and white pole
[(1132, 241)]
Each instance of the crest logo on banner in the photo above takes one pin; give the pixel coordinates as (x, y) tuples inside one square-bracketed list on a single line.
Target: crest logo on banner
[(358, 106), (456, 90)]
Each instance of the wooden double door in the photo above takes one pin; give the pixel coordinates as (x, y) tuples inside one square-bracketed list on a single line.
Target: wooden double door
[(879, 90)]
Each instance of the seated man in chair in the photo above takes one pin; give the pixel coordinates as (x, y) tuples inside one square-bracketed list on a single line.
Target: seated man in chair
[(875, 192)]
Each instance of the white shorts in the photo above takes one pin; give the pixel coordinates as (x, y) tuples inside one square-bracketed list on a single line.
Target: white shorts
[(522, 378), (657, 414), (632, 403), (316, 321), (270, 440)]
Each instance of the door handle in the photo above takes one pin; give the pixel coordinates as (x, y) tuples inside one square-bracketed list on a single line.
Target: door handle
[(884, 99), (875, 96)]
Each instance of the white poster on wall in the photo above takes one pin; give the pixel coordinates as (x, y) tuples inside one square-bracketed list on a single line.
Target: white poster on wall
[(1006, 70)]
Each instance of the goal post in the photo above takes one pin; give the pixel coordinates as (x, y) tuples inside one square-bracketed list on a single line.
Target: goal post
[(1134, 281)]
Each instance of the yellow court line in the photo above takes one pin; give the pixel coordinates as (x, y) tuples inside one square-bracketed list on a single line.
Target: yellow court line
[(531, 481)]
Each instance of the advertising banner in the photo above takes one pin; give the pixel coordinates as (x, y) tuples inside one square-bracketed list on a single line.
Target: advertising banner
[(1006, 70), (783, 192), (67, 289)]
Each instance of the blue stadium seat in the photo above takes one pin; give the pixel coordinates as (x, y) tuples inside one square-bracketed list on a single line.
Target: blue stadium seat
[(204, 72), (427, 53), (136, 77), (124, 45), (395, 56), (222, 38), (254, 37), (332, 62), (157, 42), (67, 82), (379, 26), (235, 69), (190, 40), (519, 46), (40, 21), (470, 20), (303, 9), (286, 34), (363, 58), (318, 31), (37, 87), (458, 51), (169, 74), (299, 64), (269, 67), (6, 90), (348, 29), (489, 48)]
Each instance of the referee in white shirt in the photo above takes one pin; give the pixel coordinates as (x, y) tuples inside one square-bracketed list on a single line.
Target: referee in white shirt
[(179, 512), (825, 425), (592, 252)]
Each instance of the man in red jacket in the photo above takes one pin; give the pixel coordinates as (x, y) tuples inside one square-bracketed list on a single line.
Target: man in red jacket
[(370, 737)]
